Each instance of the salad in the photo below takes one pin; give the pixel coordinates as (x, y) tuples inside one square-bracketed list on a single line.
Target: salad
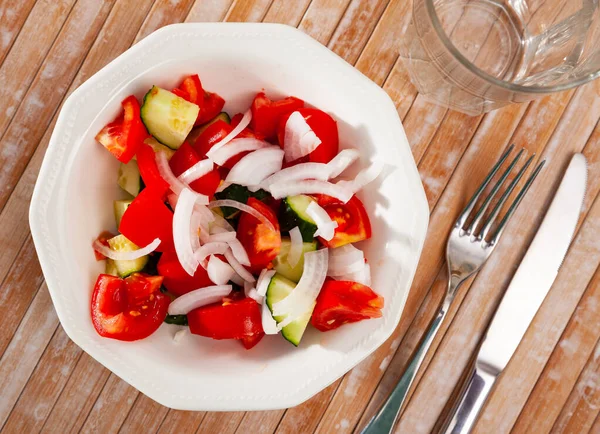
[(235, 227)]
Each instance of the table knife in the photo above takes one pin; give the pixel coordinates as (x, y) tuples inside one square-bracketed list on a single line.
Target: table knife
[(524, 295)]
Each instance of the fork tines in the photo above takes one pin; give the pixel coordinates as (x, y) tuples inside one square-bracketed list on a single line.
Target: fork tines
[(482, 234)]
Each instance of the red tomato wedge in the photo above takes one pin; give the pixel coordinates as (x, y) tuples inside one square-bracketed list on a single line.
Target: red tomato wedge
[(342, 302), (260, 241), (324, 127), (176, 279), (148, 218), (123, 136), (146, 159), (211, 106), (210, 103), (251, 341), (103, 239), (231, 319), (352, 219), (129, 309), (214, 133), (184, 158), (266, 113)]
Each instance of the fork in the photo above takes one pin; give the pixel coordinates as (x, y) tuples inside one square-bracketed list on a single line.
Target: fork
[(466, 252)]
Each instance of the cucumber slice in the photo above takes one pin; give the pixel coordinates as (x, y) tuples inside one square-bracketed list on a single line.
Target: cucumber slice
[(159, 147), (278, 289), (238, 193), (280, 262), (167, 117), (294, 214), (111, 268), (124, 268), (129, 178), (120, 206)]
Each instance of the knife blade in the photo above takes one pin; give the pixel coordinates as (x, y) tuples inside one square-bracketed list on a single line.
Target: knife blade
[(524, 296)]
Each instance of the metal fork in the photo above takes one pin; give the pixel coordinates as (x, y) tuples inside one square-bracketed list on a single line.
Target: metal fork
[(466, 252)]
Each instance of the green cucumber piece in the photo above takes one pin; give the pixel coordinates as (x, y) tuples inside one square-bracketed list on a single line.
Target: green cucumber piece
[(120, 206), (111, 268), (294, 214), (281, 265), (177, 319), (159, 147), (168, 117), (238, 193), (278, 289), (129, 178), (124, 268)]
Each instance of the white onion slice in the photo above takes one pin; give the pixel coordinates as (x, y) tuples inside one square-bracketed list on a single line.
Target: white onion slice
[(250, 292), (182, 219), (268, 323), (256, 166), (220, 222), (244, 122), (345, 260), (285, 189), (195, 230), (242, 207), (237, 146), (298, 172), (325, 226), (177, 186), (248, 286), (198, 298), (125, 256), (300, 139), (237, 279), (208, 249), (264, 278), (197, 171), (238, 250), (238, 268), (296, 246), (219, 272), (341, 161), (363, 276), (222, 237), (363, 178), (303, 296)]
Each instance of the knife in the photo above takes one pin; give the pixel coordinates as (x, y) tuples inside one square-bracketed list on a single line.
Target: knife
[(524, 295)]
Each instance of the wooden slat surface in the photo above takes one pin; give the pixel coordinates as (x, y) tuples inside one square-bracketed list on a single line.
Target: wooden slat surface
[(552, 384)]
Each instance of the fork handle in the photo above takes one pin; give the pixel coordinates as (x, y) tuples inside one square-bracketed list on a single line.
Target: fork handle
[(384, 420)]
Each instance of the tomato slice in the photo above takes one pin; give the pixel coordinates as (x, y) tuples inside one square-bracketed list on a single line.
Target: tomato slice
[(129, 309), (260, 241), (146, 158), (324, 127), (103, 238), (184, 158), (266, 113), (123, 136), (176, 279), (148, 218), (352, 219), (192, 86), (231, 319), (211, 106), (342, 302), (213, 134)]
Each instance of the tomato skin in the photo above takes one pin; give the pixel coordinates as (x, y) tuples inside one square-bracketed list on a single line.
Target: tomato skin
[(214, 133), (184, 158), (266, 113), (123, 136), (146, 158), (103, 239), (341, 302), (324, 126), (352, 219), (210, 103), (251, 341), (231, 319), (148, 218), (261, 242), (129, 309), (176, 279)]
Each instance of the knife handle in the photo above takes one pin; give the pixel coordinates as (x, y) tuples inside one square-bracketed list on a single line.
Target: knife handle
[(472, 400)]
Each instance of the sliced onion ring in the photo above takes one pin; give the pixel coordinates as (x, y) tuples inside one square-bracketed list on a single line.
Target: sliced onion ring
[(182, 219), (239, 252), (208, 249), (238, 268), (264, 278), (298, 172), (219, 272), (363, 178), (268, 323), (244, 122), (363, 276), (300, 139), (200, 297), (296, 245), (325, 226), (342, 161), (197, 171), (242, 207), (177, 186), (255, 167), (237, 146), (345, 260), (294, 188), (125, 256), (222, 237)]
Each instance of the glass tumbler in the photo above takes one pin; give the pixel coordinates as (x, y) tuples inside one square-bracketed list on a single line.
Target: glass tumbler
[(475, 56)]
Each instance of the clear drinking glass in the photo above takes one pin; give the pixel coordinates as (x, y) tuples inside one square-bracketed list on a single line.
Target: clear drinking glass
[(477, 55)]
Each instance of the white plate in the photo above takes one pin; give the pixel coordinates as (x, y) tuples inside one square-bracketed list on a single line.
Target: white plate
[(72, 204)]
